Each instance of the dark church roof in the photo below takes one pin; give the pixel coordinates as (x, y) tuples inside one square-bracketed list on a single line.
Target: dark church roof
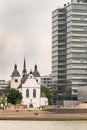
[(20, 86), (15, 73), (36, 73), (24, 72), (24, 78)]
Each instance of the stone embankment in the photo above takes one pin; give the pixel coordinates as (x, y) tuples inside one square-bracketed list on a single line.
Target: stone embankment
[(67, 111), (42, 115)]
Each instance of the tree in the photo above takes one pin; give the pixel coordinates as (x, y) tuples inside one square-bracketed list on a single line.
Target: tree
[(14, 97), (47, 93), (3, 100)]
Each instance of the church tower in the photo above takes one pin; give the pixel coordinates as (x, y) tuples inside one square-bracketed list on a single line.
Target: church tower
[(36, 74), (24, 72), (15, 78)]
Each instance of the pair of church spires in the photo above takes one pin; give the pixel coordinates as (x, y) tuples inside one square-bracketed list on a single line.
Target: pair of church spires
[(24, 72)]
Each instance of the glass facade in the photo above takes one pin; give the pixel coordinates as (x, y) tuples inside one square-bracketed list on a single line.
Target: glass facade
[(77, 44), (69, 48), (59, 51)]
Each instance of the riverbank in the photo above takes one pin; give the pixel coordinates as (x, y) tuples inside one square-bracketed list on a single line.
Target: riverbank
[(39, 115)]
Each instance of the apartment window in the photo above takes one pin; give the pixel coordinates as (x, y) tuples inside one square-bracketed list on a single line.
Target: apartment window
[(55, 28), (55, 18), (55, 13), (54, 33), (54, 38), (81, 7), (55, 23)]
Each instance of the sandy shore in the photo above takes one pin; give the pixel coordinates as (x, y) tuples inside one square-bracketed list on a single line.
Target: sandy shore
[(38, 115)]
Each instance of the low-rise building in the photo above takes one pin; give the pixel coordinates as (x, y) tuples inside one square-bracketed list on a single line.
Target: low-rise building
[(82, 94), (47, 81), (3, 85)]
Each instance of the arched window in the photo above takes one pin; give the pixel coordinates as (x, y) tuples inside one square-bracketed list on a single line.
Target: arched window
[(34, 93), (27, 92)]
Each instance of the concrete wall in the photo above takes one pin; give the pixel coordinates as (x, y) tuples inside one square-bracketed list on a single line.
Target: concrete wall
[(82, 94), (70, 103), (43, 101)]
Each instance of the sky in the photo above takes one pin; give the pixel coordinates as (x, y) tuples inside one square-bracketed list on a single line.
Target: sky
[(25, 30)]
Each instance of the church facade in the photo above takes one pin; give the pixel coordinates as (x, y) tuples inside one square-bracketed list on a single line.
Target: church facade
[(30, 87)]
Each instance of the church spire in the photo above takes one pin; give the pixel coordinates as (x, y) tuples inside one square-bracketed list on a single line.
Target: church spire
[(24, 72), (15, 67), (35, 67), (24, 63), (36, 73)]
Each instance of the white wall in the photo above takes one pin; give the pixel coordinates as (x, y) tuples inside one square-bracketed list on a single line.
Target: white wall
[(15, 84), (30, 99), (31, 84), (43, 101)]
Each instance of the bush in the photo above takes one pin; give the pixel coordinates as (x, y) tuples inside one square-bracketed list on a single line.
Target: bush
[(47, 93), (14, 97)]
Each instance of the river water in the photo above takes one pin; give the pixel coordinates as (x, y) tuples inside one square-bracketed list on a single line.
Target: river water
[(43, 125)]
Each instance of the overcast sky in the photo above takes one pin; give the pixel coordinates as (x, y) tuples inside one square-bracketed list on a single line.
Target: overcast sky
[(25, 29)]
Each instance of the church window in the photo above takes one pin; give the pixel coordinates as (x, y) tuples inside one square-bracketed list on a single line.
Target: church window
[(34, 93), (16, 80), (27, 93), (37, 80)]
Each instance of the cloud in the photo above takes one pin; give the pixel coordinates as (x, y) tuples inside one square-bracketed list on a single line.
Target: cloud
[(25, 29)]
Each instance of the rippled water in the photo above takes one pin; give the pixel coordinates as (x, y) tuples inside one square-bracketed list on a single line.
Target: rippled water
[(43, 125)]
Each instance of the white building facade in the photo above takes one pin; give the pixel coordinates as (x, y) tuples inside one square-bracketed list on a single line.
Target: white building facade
[(30, 87)]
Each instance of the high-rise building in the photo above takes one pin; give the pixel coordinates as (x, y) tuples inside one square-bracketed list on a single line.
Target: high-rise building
[(69, 48)]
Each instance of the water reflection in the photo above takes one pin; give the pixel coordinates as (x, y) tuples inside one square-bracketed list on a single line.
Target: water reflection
[(43, 125)]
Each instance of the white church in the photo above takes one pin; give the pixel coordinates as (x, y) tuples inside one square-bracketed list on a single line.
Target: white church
[(30, 87)]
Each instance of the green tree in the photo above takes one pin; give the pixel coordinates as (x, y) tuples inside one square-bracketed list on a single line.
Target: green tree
[(47, 93), (14, 97), (3, 100)]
